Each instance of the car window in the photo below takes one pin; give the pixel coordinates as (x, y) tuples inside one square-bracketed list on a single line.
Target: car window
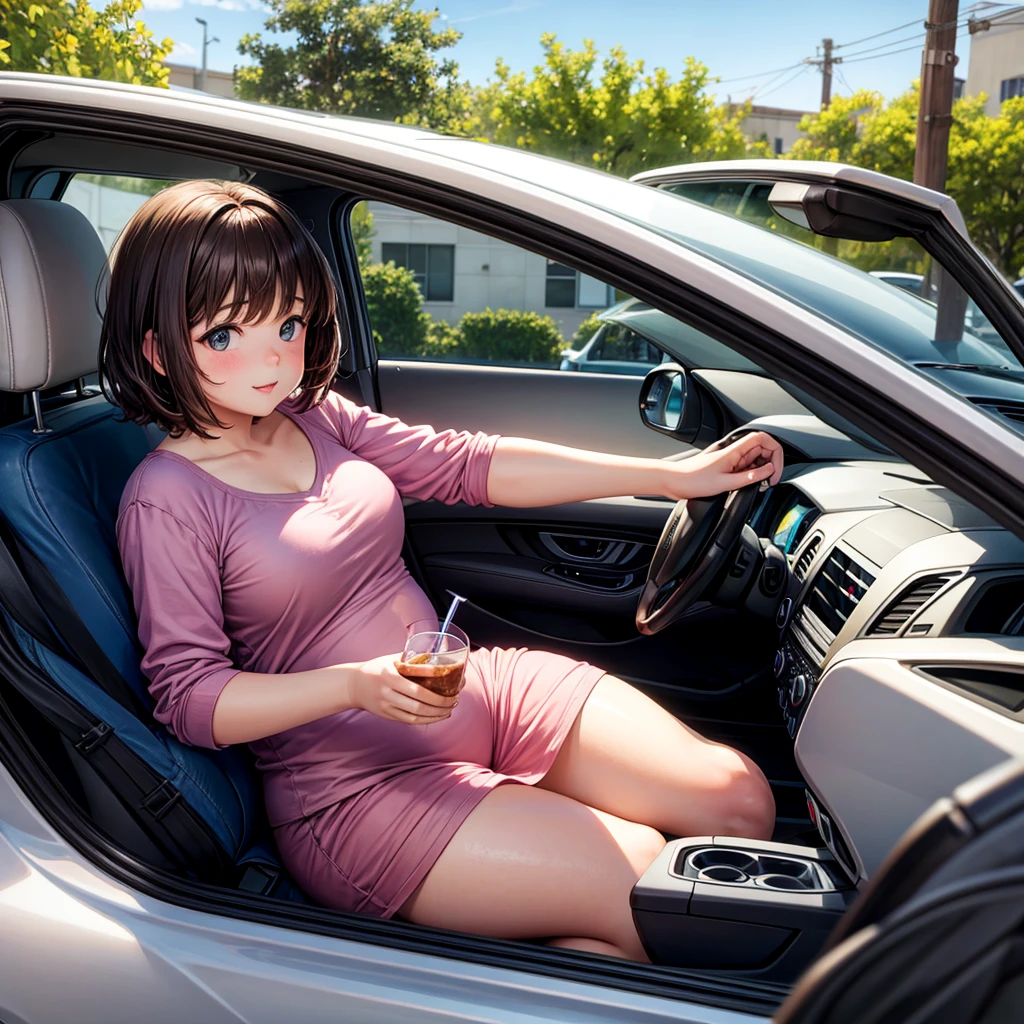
[(438, 291), (617, 342), (108, 200)]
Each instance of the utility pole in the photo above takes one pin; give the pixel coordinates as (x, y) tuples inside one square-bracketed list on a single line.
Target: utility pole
[(935, 113), (934, 118), (826, 73), (825, 63), (202, 71)]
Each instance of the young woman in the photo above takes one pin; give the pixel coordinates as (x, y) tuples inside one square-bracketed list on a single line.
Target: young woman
[(261, 540)]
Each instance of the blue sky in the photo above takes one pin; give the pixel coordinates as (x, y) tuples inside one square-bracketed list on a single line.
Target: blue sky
[(736, 39)]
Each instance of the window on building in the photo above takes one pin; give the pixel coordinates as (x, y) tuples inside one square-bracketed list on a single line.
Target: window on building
[(433, 267), (1011, 87), (778, 146), (564, 288), (560, 286)]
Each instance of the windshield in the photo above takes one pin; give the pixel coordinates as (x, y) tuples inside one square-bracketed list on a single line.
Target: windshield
[(850, 297)]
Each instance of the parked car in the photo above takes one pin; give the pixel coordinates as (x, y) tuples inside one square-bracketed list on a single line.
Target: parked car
[(855, 629), (614, 347)]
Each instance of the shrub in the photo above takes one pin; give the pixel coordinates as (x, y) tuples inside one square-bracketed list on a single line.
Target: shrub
[(510, 335), (586, 331), (395, 305), (443, 341)]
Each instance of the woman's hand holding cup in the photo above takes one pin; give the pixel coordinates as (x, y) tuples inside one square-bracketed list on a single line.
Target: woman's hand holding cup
[(378, 687)]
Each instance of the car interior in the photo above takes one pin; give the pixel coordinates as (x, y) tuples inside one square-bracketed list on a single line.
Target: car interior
[(857, 563)]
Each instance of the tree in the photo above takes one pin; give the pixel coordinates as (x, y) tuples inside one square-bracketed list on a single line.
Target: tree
[(69, 37), (986, 163), (622, 123), (395, 305), (370, 58)]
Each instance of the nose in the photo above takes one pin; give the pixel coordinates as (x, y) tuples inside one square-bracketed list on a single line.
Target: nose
[(273, 355)]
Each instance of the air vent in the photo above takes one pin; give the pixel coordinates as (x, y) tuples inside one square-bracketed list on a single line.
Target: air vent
[(909, 602), (1010, 410), (803, 563), (836, 590)]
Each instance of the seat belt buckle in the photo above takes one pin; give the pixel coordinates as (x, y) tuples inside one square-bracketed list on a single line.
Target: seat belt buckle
[(259, 878)]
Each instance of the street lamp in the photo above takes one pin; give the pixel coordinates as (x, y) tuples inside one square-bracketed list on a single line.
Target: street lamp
[(202, 72)]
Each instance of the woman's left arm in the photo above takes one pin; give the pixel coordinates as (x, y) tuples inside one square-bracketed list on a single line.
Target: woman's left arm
[(525, 473)]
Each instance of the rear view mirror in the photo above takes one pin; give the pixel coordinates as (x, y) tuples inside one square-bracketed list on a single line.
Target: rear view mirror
[(667, 403)]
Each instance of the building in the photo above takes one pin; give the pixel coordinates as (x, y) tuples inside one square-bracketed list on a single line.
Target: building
[(997, 56), (776, 124), (219, 83), (462, 271)]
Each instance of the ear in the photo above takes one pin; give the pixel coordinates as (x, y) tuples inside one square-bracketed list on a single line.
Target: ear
[(149, 350)]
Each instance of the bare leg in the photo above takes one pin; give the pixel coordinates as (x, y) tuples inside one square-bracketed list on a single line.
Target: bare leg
[(628, 756), (528, 863)]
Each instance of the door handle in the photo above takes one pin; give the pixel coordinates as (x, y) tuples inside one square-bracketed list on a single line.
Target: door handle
[(593, 550)]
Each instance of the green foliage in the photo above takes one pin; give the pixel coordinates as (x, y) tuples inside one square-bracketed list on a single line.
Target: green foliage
[(363, 231), (622, 123), (510, 335), (985, 173), (370, 58), (586, 331), (443, 341), (395, 305), (69, 37)]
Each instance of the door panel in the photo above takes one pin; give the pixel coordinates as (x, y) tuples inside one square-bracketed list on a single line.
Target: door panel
[(599, 412)]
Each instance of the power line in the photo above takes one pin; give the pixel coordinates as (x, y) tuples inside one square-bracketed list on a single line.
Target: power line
[(760, 74), (786, 82), (764, 85), (882, 46), (905, 49), (887, 32)]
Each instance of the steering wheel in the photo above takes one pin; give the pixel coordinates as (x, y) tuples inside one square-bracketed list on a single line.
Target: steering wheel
[(698, 537)]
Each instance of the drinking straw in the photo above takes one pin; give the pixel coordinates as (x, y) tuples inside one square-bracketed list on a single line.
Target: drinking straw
[(447, 619)]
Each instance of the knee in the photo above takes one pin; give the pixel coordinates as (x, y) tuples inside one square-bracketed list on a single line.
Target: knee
[(642, 846), (747, 807)]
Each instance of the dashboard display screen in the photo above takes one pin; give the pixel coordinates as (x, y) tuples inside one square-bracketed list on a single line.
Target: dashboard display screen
[(788, 533)]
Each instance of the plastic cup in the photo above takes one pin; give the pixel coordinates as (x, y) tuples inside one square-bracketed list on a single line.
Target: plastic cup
[(436, 660)]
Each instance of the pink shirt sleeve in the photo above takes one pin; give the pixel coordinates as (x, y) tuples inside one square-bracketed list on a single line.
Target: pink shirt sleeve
[(423, 463), (175, 583)]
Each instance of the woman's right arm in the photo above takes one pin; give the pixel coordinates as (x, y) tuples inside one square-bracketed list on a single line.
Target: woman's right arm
[(200, 695), (255, 704)]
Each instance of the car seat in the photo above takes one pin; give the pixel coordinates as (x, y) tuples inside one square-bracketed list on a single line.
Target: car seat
[(67, 626)]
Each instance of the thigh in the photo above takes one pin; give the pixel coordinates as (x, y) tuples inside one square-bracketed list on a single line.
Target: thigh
[(528, 863), (628, 756)]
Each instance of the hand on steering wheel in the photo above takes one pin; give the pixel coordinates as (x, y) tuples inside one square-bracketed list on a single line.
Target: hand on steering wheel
[(725, 466), (717, 490)]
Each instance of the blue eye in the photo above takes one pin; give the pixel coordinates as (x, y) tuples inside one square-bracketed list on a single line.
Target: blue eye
[(290, 328), (219, 339)]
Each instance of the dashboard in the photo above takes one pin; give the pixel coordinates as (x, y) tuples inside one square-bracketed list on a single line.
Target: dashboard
[(900, 661)]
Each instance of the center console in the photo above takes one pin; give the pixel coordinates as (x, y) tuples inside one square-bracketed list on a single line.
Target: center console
[(743, 905)]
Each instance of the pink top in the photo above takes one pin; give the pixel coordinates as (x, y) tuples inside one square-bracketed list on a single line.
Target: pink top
[(226, 580)]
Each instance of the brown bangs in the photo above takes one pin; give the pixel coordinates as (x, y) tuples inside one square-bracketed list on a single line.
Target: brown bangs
[(175, 264)]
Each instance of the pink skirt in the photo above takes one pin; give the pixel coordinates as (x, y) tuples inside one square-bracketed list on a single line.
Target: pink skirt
[(368, 853)]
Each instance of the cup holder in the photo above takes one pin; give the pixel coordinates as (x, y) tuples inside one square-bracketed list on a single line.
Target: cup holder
[(722, 873), (781, 882), (727, 866)]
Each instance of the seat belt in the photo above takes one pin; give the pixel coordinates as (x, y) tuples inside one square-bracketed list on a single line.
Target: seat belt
[(62, 630)]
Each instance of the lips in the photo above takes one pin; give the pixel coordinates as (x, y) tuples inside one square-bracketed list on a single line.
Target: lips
[(266, 388)]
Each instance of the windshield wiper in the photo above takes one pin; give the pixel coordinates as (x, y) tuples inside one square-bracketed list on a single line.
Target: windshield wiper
[(984, 370)]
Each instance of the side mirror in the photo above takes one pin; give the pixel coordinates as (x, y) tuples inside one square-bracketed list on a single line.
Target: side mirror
[(668, 404)]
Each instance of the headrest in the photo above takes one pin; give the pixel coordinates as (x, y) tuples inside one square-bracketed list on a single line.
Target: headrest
[(51, 259)]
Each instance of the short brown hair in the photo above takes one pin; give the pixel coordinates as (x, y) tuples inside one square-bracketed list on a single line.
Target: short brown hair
[(173, 265)]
